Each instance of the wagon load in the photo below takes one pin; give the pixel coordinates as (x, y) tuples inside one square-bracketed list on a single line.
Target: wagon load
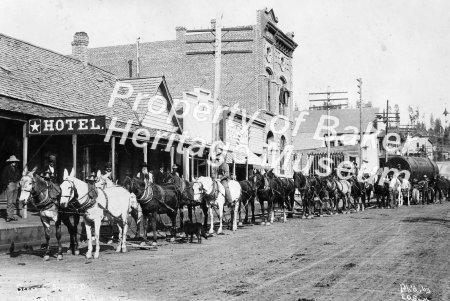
[(417, 166)]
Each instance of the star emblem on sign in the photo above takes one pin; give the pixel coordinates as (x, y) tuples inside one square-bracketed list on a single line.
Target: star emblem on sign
[(35, 126)]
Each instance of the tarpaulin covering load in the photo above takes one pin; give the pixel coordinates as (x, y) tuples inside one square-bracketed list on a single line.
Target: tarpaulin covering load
[(417, 166)]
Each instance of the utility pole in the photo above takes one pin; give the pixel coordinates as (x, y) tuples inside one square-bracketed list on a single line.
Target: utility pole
[(328, 107), (360, 82), (137, 57), (387, 117), (218, 74)]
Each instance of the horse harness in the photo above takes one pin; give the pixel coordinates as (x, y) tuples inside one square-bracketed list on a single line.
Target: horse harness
[(148, 194), (82, 208)]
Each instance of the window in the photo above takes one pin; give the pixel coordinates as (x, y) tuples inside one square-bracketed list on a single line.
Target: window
[(284, 98), (269, 89), (282, 145)]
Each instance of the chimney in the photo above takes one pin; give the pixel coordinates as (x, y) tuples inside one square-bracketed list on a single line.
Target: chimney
[(181, 33), (213, 23), (79, 46), (130, 68)]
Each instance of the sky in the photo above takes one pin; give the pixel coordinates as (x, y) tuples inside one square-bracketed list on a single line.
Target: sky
[(400, 48)]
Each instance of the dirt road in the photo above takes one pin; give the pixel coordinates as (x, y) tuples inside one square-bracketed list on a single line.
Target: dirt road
[(372, 255)]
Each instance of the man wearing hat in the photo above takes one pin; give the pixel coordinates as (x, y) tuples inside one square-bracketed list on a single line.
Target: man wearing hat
[(174, 177), (220, 170), (51, 168), (159, 175), (143, 174), (10, 179)]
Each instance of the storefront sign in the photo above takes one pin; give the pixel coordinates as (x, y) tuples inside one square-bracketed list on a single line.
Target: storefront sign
[(67, 125)]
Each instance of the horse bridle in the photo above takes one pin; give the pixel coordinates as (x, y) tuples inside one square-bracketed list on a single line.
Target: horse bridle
[(43, 203)]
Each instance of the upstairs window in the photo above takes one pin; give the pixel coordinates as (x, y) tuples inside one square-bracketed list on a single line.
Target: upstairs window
[(283, 98), (282, 146), (269, 75)]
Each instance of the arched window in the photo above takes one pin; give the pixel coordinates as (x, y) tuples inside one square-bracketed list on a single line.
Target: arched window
[(284, 97), (269, 89), (269, 141), (282, 146)]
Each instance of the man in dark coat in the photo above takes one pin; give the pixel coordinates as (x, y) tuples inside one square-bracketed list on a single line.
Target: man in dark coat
[(220, 170), (425, 190), (51, 168), (10, 179), (108, 171), (159, 176), (143, 174)]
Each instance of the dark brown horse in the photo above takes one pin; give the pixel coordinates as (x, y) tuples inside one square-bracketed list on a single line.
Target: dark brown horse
[(248, 195), (156, 199), (269, 189), (191, 201), (289, 192), (303, 184), (442, 188)]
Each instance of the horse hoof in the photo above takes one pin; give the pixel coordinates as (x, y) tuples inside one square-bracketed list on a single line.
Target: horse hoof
[(118, 249), (59, 257), (303, 217), (321, 215), (172, 239), (124, 249), (154, 244), (46, 258), (96, 255), (240, 224), (77, 252), (267, 223), (88, 255), (263, 223)]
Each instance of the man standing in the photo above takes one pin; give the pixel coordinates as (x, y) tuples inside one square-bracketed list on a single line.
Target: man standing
[(221, 171), (10, 179), (393, 184), (425, 191)]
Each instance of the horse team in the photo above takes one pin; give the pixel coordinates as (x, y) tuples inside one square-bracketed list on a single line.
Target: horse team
[(58, 203)]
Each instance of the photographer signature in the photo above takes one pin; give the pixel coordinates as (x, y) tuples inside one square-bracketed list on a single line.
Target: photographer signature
[(414, 293)]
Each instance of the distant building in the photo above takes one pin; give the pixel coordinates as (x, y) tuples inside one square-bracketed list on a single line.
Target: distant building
[(344, 130), (256, 69)]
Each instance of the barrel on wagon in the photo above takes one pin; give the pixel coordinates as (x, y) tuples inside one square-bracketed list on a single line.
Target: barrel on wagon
[(417, 166)]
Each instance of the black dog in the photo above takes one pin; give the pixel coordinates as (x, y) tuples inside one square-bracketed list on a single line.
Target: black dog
[(194, 228)]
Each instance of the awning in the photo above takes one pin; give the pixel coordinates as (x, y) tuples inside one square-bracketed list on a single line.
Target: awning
[(241, 157)]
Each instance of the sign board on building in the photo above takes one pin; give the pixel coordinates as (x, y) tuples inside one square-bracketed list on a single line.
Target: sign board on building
[(67, 125)]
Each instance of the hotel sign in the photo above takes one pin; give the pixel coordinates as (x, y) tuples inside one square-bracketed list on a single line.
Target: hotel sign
[(67, 125)]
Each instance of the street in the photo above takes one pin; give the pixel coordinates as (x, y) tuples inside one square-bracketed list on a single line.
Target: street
[(378, 254)]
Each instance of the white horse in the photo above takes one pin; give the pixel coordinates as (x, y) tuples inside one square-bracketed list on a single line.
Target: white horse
[(111, 202), (104, 181), (214, 194)]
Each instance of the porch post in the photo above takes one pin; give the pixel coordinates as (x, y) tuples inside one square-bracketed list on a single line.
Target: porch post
[(172, 157), (25, 161), (186, 163), (246, 168), (145, 152), (234, 170), (113, 158), (192, 168), (74, 153)]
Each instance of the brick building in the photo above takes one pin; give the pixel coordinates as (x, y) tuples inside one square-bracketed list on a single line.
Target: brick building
[(256, 69)]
